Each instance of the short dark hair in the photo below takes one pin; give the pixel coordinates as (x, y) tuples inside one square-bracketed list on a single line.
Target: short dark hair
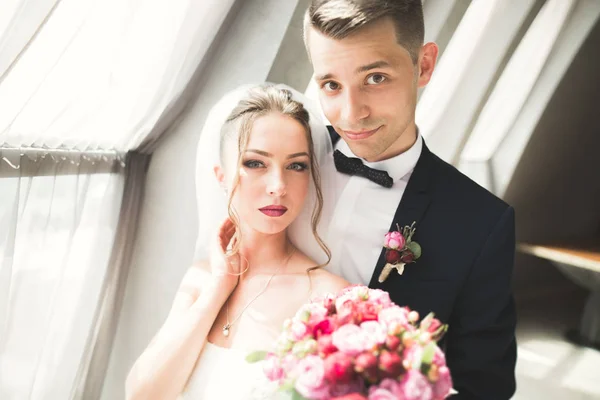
[(338, 19)]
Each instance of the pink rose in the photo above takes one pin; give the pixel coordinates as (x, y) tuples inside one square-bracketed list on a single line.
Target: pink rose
[(289, 363), (346, 310), (380, 297), (394, 240), (339, 368), (388, 389), (374, 332), (413, 356), (352, 396), (310, 381), (393, 314), (325, 345), (272, 368), (317, 311), (414, 386), (441, 389), (366, 311), (350, 339), (298, 330)]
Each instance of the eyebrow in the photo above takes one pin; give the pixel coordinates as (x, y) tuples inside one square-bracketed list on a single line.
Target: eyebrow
[(266, 154), (364, 68)]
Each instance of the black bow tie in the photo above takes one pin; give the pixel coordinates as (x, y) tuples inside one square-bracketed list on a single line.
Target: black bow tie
[(354, 166)]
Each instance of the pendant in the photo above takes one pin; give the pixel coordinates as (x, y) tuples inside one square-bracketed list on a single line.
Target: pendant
[(226, 330)]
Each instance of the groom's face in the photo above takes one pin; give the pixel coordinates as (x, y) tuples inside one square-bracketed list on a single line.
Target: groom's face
[(368, 88)]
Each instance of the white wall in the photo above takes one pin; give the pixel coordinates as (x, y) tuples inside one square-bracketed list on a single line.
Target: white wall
[(167, 234)]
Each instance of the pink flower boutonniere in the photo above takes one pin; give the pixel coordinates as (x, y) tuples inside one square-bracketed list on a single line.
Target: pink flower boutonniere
[(400, 250)]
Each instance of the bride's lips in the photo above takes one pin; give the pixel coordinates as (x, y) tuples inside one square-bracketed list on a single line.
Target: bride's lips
[(359, 135), (273, 210)]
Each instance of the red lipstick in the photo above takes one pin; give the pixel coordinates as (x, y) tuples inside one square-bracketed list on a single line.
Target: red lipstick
[(273, 210)]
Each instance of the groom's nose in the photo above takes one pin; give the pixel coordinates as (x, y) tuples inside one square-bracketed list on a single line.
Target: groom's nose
[(353, 107), (276, 184)]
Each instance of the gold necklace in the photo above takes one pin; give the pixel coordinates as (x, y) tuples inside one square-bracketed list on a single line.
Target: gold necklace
[(227, 326)]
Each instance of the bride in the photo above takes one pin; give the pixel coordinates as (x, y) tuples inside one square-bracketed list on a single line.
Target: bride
[(259, 189)]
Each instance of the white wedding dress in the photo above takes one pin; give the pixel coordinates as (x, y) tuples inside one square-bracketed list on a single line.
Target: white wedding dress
[(223, 373)]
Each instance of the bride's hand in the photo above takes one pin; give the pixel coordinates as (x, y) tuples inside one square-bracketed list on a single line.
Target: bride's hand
[(225, 269)]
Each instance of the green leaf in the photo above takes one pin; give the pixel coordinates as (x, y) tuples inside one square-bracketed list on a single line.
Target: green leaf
[(286, 387), (428, 353), (297, 396), (415, 248), (256, 356)]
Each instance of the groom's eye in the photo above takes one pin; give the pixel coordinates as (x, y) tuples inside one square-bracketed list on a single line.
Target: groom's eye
[(375, 79), (253, 164)]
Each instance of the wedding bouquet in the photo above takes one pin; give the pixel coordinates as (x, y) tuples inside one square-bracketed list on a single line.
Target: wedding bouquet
[(361, 344)]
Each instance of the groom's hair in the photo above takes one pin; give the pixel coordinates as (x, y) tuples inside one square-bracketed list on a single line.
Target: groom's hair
[(338, 19)]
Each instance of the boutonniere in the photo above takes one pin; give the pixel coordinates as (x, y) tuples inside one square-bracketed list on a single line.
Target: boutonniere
[(400, 250)]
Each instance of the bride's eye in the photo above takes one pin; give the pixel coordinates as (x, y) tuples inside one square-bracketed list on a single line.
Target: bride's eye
[(252, 164), (298, 166)]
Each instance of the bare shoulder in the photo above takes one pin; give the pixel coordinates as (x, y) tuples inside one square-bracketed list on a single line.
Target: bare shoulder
[(323, 281)]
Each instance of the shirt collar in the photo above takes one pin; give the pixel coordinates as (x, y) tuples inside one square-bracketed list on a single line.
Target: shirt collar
[(397, 167)]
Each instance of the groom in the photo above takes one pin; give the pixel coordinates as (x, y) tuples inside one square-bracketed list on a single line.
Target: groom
[(369, 61)]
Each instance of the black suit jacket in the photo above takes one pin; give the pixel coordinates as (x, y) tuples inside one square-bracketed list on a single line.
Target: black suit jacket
[(464, 274)]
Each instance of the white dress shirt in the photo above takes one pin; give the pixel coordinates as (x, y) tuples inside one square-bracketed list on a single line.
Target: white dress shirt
[(364, 212)]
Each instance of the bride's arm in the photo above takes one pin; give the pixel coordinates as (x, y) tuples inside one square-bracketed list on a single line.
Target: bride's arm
[(162, 371)]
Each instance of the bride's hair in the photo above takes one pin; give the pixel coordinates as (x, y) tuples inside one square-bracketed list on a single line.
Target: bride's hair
[(259, 101)]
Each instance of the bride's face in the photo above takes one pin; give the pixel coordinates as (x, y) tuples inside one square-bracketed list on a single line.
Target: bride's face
[(274, 174)]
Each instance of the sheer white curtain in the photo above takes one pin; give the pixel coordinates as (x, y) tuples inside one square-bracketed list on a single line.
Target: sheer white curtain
[(82, 82), (58, 218), (100, 73)]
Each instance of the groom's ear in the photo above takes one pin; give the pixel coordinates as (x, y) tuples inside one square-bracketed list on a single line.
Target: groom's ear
[(427, 60)]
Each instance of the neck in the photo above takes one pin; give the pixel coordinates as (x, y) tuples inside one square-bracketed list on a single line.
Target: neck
[(404, 142), (265, 254)]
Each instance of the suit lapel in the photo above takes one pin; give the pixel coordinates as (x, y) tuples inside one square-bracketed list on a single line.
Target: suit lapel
[(415, 199), (413, 205)]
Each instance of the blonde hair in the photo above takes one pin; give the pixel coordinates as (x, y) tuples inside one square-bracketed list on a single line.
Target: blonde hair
[(260, 101)]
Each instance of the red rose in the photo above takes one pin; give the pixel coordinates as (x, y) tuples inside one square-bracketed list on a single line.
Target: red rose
[(365, 362), (346, 312), (339, 368), (390, 363), (324, 327), (329, 304), (392, 256), (325, 345), (407, 257), (366, 312), (392, 342), (353, 396)]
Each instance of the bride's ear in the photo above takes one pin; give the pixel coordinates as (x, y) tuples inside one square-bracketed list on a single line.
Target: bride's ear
[(219, 175)]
